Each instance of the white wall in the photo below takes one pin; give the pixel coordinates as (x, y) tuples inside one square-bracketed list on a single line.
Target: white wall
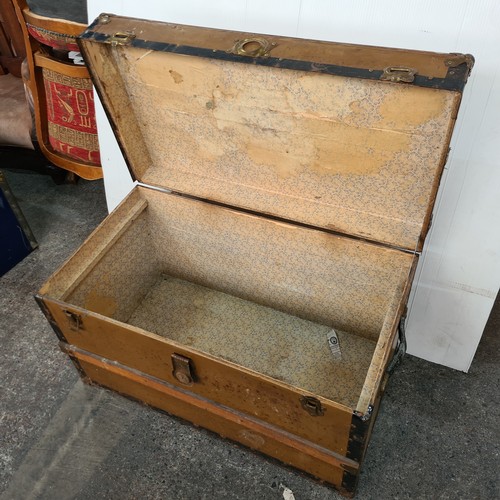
[(459, 273)]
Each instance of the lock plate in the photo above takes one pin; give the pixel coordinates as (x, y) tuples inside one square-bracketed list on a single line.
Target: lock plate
[(121, 38), (312, 405), (182, 369), (74, 320), (399, 74)]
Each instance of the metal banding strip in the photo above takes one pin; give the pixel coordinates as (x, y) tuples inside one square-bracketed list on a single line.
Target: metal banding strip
[(50, 318), (454, 80)]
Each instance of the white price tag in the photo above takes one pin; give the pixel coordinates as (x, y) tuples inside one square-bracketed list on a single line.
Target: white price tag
[(76, 57), (333, 344)]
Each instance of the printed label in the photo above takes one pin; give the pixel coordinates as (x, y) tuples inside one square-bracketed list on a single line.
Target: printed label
[(334, 344)]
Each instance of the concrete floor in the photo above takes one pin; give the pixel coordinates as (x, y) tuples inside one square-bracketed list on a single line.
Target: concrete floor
[(437, 435)]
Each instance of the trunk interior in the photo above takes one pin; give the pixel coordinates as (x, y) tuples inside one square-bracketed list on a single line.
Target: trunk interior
[(260, 293)]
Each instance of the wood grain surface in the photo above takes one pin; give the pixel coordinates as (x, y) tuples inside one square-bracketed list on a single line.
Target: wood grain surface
[(218, 380), (234, 425)]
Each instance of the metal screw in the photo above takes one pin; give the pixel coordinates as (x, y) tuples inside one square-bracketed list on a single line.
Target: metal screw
[(182, 377)]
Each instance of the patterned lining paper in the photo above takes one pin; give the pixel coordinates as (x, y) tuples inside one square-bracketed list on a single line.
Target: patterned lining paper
[(357, 156), (282, 346), (62, 283), (333, 281), (122, 277)]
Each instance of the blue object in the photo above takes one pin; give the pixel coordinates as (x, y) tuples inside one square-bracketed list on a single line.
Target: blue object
[(15, 243)]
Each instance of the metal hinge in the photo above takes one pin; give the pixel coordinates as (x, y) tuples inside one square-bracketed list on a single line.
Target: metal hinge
[(401, 349), (398, 74)]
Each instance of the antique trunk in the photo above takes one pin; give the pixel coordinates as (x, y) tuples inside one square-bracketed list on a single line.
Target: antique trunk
[(254, 280)]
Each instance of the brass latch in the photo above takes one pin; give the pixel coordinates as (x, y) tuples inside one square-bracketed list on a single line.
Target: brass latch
[(398, 74), (252, 47), (74, 320), (121, 38), (312, 405), (182, 369)]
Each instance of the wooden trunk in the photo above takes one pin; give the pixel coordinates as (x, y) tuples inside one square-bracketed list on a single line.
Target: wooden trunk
[(285, 190)]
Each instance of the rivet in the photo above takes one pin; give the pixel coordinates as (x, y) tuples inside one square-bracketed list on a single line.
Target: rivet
[(104, 19)]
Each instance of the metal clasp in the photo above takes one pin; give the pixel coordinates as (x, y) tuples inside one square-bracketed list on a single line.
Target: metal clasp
[(121, 38), (312, 405), (399, 74), (252, 47), (182, 369), (74, 320)]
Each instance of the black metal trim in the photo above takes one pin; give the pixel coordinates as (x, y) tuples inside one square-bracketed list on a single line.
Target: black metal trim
[(455, 79), (355, 451), (349, 483), (401, 349), (66, 349), (94, 24), (50, 318), (357, 437)]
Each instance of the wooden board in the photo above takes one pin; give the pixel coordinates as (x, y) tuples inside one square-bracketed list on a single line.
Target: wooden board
[(251, 432), (218, 380)]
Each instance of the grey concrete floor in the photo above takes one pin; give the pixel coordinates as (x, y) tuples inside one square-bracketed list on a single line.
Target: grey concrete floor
[(437, 435)]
